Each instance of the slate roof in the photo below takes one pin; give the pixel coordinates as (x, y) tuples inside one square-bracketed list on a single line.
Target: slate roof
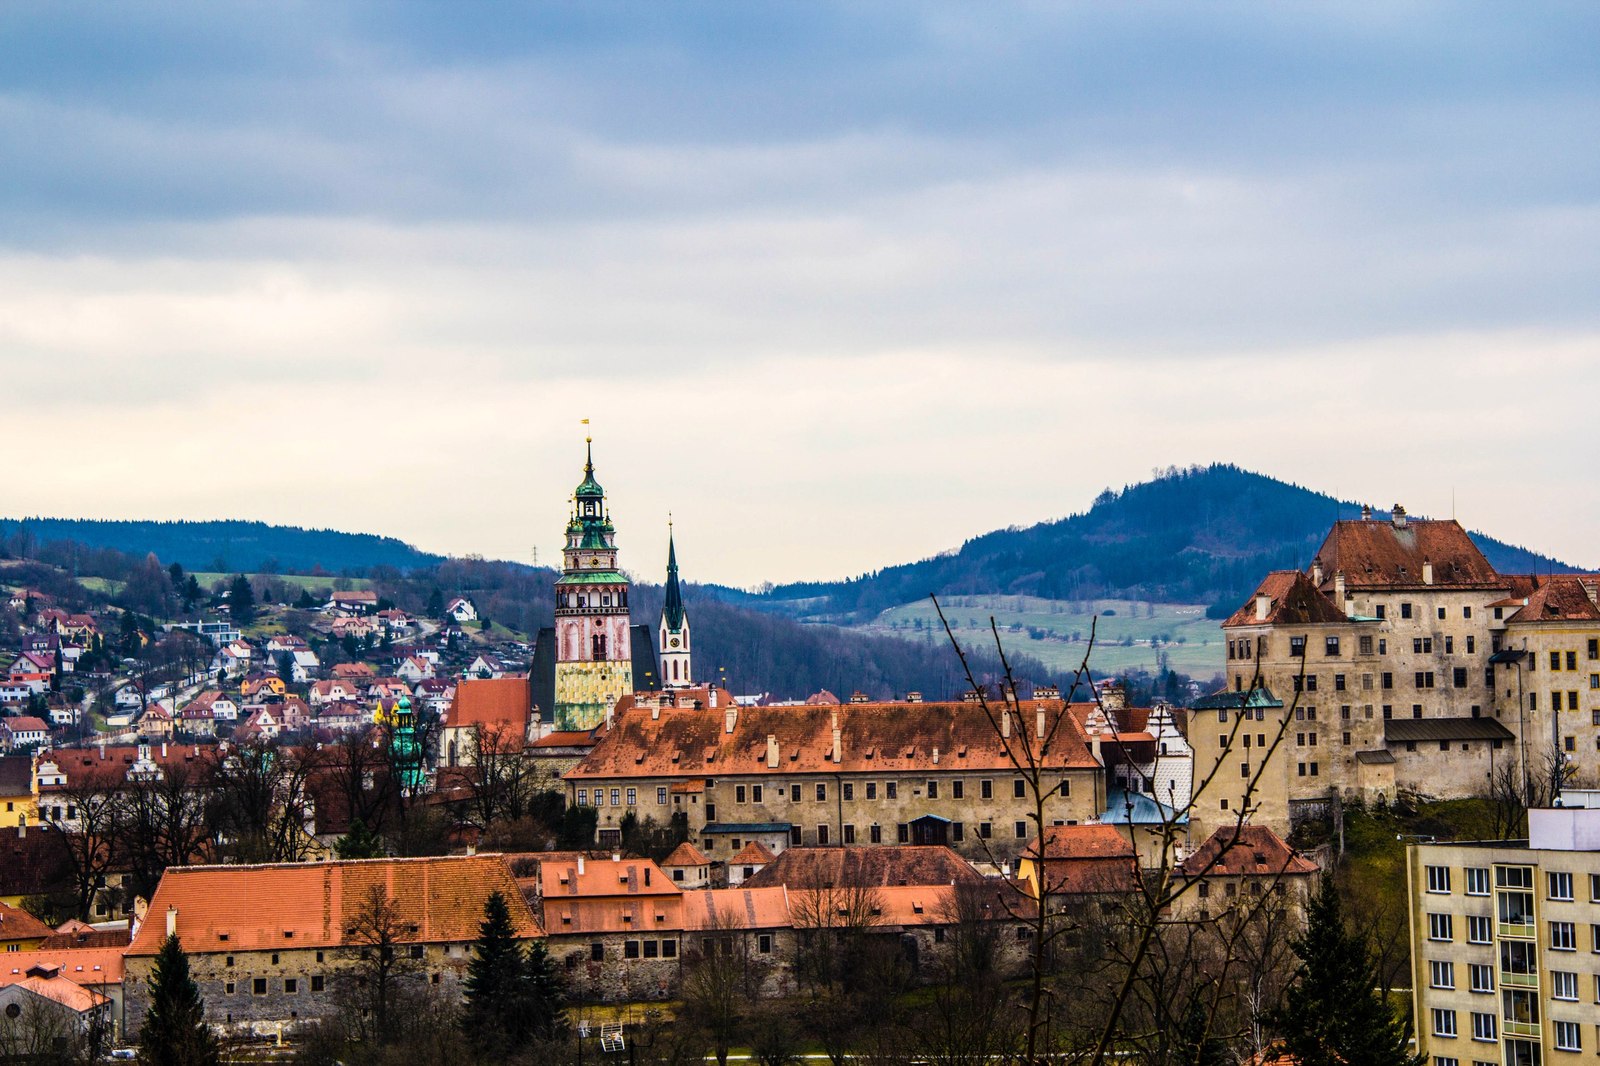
[(1399, 730), (1380, 554), (258, 907), (878, 866)]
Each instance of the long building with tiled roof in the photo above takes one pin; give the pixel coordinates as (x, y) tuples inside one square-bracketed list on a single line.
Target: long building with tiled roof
[(858, 773)]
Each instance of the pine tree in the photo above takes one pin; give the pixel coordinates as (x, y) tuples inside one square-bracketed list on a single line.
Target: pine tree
[(435, 606), (494, 1016), (359, 843), (174, 1032), (241, 600), (547, 995), (1334, 1014)]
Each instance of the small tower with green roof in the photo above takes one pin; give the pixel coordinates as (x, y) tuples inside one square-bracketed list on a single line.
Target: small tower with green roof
[(674, 629), (594, 654)]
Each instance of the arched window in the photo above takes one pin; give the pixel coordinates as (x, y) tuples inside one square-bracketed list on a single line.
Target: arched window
[(599, 646)]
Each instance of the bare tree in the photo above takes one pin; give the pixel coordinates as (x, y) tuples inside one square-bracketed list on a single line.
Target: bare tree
[(721, 982), (161, 822), (262, 805), (88, 815)]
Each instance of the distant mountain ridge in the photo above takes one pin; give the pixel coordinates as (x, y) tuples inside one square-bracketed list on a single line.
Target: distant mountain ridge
[(230, 545), (1201, 535)]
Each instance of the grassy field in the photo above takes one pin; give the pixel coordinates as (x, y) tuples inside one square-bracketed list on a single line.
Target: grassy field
[(293, 580), (102, 584), (1128, 635)]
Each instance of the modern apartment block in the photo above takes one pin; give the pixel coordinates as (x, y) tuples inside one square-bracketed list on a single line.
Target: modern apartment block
[(1505, 945)]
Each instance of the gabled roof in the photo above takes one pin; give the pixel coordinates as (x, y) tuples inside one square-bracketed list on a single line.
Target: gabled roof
[(601, 878), (1562, 598), (686, 854), (308, 905), (493, 703), (16, 924), (887, 737), (25, 724), (736, 908), (1291, 600), (754, 853), (1086, 859), (1244, 849), (47, 983), (1384, 554), (837, 867)]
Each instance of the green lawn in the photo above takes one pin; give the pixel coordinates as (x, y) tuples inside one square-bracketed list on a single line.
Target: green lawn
[(294, 580), (102, 584), (1128, 634)]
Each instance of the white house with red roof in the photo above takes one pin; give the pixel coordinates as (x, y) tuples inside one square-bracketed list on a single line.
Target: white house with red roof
[(23, 732)]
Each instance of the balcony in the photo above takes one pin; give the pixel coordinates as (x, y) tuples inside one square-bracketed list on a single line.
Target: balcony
[(1510, 1028), (1519, 980), (1515, 930)]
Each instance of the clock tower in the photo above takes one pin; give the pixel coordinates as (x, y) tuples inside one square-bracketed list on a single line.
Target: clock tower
[(674, 629), (593, 645)]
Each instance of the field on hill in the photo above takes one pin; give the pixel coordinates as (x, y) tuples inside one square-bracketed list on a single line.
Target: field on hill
[(299, 581), (1130, 635)]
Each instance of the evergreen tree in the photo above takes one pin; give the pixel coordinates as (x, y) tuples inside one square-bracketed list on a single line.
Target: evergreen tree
[(435, 604), (1196, 1044), (1334, 1014), (511, 996), (192, 593), (174, 1032), (359, 843), (241, 600), (305, 602)]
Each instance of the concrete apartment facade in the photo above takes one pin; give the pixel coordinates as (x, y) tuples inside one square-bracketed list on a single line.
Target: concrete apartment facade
[(1505, 945)]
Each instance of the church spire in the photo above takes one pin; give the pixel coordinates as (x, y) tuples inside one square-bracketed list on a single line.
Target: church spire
[(672, 610), (674, 629)]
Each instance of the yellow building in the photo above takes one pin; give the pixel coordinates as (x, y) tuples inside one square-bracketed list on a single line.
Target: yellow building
[(18, 796), (19, 930)]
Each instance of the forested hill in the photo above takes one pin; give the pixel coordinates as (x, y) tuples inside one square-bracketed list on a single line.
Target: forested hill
[(227, 545), (1202, 535)]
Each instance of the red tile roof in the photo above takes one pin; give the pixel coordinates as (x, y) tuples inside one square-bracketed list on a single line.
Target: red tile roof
[(85, 966), (904, 865), (1086, 859), (686, 854), (500, 702), (1291, 600), (259, 908), (677, 742), (18, 924), (736, 908), (753, 853), (1382, 554), (1562, 598), (1246, 849)]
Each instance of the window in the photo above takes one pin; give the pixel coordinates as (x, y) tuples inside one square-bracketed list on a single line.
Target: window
[(318, 983), (1477, 880), (1019, 789), (1449, 642), (1481, 976), (1422, 645), (1022, 830), (1479, 929), (1563, 937), (1338, 682), (849, 834), (1441, 974), (1380, 610), (822, 793), (616, 797), (291, 986), (1568, 1037), (416, 951), (1297, 647), (597, 951), (1444, 1022), (1558, 885), (872, 790), (1555, 660), (986, 788), (1483, 1026), (1388, 679), (755, 794), (583, 797), (1405, 610), (630, 949), (1594, 888), (764, 943), (1440, 927), (957, 790), (633, 797), (1365, 645), (933, 790), (661, 794), (652, 949), (1424, 678), (891, 789), (228, 988), (1563, 985), (875, 834), (1330, 646), (985, 830), (1594, 648), (822, 835), (1438, 879), (904, 833), (258, 986)]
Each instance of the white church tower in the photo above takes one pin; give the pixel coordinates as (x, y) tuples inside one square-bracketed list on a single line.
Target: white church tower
[(674, 627)]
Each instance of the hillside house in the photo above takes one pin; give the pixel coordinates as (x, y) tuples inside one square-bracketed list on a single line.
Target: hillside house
[(23, 733), (461, 610)]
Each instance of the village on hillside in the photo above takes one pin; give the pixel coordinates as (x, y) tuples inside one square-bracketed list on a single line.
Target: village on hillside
[(280, 789)]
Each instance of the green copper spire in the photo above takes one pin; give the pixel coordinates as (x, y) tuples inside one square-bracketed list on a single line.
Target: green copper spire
[(672, 610), (589, 488)]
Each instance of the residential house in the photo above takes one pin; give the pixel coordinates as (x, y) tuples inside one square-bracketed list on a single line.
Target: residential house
[(1075, 862), (21, 931), (18, 687), (285, 642), (305, 667), (98, 969), (23, 733), (43, 992), (216, 705), (461, 610), (31, 663), (486, 666), (352, 603), (1237, 866), (353, 672), (333, 690), (414, 670), (355, 626), (157, 720), (273, 945), (18, 803), (235, 658), (261, 686)]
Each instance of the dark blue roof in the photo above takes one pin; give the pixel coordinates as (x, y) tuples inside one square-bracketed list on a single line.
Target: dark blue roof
[(747, 827)]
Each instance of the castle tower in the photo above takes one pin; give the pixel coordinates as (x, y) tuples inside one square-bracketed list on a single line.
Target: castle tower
[(674, 629), (594, 652)]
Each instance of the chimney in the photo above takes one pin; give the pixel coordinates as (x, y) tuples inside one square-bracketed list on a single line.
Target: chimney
[(1005, 724), (1094, 748), (1427, 572), (172, 921), (1263, 605), (1038, 721), (1316, 571), (1338, 592), (772, 751), (1398, 517), (936, 755), (580, 864), (729, 718), (1366, 512), (655, 710), (838, 738), (1114, 698), (102, 747), (163, 749)]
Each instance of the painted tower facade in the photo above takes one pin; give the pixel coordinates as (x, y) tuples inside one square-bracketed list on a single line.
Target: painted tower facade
[(674, 628), (594, 654)]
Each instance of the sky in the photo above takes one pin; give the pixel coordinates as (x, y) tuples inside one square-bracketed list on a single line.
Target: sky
[(836, 285)]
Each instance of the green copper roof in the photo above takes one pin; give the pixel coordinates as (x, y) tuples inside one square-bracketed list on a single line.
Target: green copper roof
[(589, 487), (672, 610), (593, 577)]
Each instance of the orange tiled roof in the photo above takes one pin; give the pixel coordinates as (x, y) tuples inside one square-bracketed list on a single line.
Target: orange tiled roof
[(686, 854), (1245, 849), (736, 908), (1292, 600), (678, 742), (753, 853), (1086, 859), (504, 702), (258, 908), (604, 877), (86, 966), (1380, 554), (904, 865), (61, 989)]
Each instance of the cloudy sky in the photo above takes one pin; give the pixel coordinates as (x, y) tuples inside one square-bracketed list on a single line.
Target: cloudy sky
[(837, 285)]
